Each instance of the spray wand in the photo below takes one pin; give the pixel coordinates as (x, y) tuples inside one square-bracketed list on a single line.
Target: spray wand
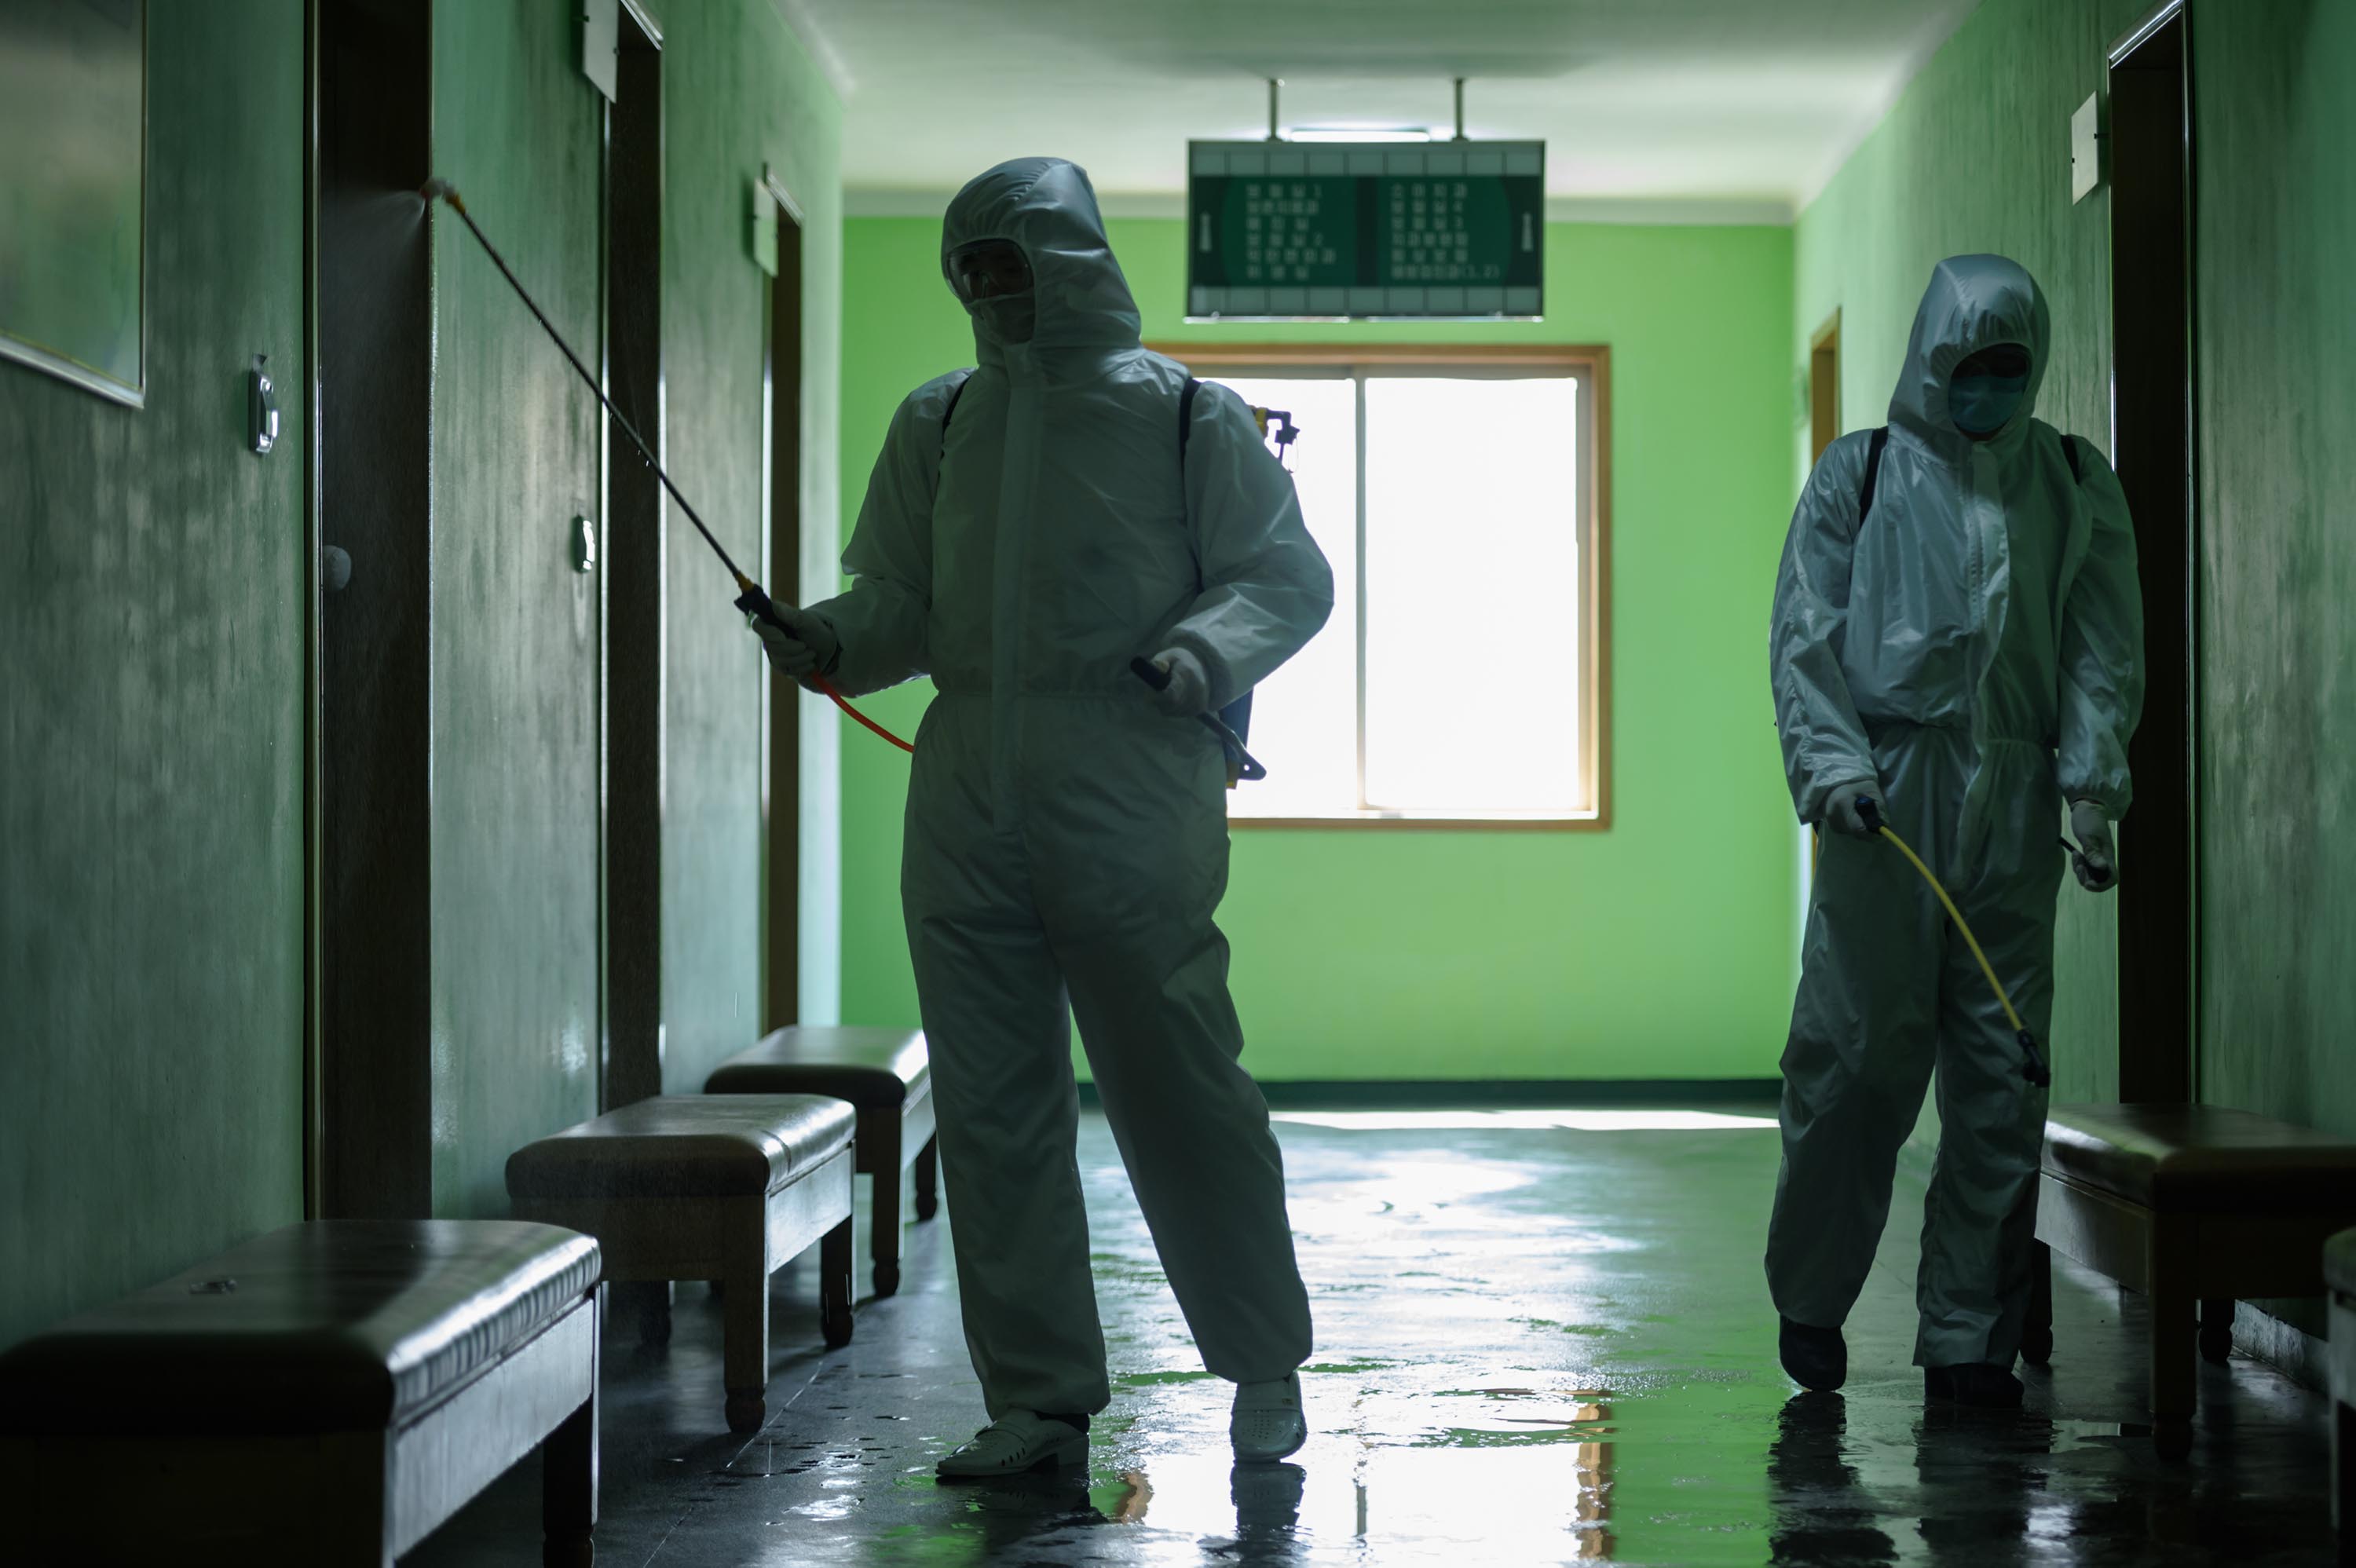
[(2032, 1064), (751, 598)]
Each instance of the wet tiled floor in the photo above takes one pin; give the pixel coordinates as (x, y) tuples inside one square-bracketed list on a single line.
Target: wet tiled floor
[(1537, 1343)]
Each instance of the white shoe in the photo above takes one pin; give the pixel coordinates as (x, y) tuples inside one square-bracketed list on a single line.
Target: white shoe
[(1267, 1423), (1015, 1443)]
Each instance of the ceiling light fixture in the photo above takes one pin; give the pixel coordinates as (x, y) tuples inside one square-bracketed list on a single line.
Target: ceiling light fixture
[(1359, 133)]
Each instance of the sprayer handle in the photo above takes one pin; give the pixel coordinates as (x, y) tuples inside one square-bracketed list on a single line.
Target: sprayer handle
[(1869, 810), (2032, 1062), (756, 601)]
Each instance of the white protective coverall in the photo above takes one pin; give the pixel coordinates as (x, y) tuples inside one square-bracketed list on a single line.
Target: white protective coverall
[(1064, 837), (1976, 646)]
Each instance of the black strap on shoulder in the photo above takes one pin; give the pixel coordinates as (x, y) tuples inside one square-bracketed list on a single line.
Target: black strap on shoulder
[(956, 391), (1186, 421), (1872, 470), (2070, 451)]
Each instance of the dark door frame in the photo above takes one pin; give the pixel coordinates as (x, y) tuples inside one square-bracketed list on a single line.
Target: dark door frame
[(2154, 409), (371, 724), (1823, 386), (631, 590), (781, 472)]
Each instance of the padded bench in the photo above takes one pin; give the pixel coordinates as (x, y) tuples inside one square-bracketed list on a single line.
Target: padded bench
[(886, 1073), (328, 1393), (724, 1187), (2187, 1203)]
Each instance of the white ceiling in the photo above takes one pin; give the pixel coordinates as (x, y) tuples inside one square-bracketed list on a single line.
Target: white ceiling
[(1741, 107)]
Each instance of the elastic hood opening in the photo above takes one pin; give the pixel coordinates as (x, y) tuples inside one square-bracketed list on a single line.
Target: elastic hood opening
[(1045, 209), (1976, 308)]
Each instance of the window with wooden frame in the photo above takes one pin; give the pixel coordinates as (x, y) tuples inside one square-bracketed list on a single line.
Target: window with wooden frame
[(1461, 495)]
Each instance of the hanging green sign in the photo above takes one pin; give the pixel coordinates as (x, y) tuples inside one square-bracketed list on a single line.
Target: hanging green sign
[(1411, 229)]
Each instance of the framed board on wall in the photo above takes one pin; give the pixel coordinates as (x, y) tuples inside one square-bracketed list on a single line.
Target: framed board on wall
[(73, 191)]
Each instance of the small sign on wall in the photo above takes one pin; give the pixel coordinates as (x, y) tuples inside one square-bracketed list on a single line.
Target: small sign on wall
[(765, 227), (2086, 148), (601, 43)]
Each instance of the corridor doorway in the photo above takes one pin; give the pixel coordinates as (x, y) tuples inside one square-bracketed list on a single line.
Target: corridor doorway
[(633, 576), (2151, 447), (781, 384)]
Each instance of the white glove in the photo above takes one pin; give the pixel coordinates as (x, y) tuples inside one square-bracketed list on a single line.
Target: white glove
[(1840, 808), (807, 646), (1189, 691), (2096, 861)]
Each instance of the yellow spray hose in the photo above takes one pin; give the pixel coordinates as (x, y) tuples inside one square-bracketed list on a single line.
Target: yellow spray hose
[(2032, 1066)]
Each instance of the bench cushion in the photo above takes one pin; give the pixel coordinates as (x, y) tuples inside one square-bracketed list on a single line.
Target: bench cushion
[(865, 1066), (686, 1145), (2201, 1159), (334, 1326)]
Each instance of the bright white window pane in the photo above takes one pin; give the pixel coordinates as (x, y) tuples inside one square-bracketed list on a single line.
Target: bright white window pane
[(1304, 722), (1472, 600)]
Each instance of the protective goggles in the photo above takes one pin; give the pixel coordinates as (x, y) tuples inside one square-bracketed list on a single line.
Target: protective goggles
[(989, 269), (2003, 361)]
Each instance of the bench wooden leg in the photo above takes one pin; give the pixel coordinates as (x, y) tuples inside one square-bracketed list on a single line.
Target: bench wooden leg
[(2172, 1374), (834, 1285), (2037, 1327), (2343, 1475), (2217, 1332), (928, 1177), (886, 1214), (568, 1490), (744, 1347)]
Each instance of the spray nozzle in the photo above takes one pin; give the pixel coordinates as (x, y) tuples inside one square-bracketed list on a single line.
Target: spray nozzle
[(1869, 810), (440, 190), (2032, 1062)]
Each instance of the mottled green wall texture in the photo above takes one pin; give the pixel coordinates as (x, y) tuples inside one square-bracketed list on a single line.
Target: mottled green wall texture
[(740, 95), (2273, 125), (515, 806), (1660, 948), (152, 576), (152, 581), (1975, 157), (518, 128)]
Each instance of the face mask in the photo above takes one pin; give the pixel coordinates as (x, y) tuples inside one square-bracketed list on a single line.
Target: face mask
[(1980, 405), (1010, 319), (1986, 389)]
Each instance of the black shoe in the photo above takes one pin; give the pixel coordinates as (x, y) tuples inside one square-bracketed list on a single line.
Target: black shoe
[(1979, 1384), (1815, 1359)]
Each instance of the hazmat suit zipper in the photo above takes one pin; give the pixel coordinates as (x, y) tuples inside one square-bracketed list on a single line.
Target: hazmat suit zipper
[(1018, 485)]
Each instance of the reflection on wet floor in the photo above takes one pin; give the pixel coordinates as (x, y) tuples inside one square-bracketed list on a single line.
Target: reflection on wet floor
[(1538, 1341)]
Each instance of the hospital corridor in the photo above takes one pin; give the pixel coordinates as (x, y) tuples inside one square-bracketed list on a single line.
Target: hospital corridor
[(1016, 782)]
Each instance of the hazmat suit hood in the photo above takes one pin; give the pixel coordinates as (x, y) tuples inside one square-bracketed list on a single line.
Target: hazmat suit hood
[(1047, 207), (1972, 302)]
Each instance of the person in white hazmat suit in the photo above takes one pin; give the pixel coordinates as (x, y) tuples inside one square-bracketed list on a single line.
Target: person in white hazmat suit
[(1026, 534), (1968, 654)]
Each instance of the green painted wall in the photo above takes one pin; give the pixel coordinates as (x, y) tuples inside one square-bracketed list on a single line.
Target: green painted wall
[(1975, 157), (515, 806), (1661, 948), (152, 588), (518, 128), (740, 94), (152, 576), (2276, 223)]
